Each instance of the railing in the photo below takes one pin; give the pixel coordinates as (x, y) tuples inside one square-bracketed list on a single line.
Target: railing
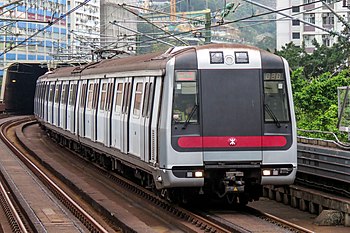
[(324, 163)]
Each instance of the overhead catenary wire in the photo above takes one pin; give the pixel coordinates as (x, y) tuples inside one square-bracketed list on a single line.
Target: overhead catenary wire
[(182, 41), (301, 20), (271, 11)]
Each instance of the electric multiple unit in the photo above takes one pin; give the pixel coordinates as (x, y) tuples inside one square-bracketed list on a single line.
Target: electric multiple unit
[(215, 119)]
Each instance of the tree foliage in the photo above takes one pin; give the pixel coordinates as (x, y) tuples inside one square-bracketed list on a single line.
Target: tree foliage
[(315, 79)]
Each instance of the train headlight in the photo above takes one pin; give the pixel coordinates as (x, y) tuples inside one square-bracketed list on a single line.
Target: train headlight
[(198, 174), (276, 171), (266, 172)]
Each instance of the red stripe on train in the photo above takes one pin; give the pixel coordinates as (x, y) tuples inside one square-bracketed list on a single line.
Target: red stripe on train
[(231, 141)]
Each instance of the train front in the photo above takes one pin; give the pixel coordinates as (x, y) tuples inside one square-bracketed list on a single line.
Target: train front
[(231, 128)]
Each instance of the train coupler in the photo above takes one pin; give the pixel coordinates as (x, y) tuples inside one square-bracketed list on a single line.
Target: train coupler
[(233, 183)]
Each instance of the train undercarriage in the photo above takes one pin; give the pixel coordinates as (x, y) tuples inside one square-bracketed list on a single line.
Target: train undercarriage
[(233, 186)]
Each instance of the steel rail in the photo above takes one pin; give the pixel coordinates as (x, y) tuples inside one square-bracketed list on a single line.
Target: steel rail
[(77, 211), (286, 223), (13, 217)]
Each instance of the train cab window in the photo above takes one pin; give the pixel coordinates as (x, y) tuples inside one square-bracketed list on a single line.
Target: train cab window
[(103, 96), (275, 97), (118, 101), (138, 97), (185, 103)]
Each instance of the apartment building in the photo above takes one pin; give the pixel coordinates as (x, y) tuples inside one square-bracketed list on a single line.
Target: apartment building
[(316, 13), (84, 29), (20, 19)]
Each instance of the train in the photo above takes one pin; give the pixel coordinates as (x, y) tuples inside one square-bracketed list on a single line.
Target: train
[(214, 119)]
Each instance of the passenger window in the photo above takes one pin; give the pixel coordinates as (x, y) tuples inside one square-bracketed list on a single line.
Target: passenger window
[(109, 96), (90, 96), (145, 100), (57, 93), (138, 97), (72, 94), (150, 101), (185, 104), (103, 96), (64, 95), (95, 96), (52, 90), (83, 95), (126, 102), (118, 101)]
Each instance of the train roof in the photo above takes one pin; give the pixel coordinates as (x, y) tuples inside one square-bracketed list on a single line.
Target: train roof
[(151, 61)]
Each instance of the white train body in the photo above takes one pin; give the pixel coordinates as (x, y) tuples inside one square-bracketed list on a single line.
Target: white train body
[(214, 117)]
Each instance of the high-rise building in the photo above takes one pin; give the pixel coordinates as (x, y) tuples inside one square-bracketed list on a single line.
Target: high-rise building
[(22, 18), (26, 17), (84, 29), (314, 12)]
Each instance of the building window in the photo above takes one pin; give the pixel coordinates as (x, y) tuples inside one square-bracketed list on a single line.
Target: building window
[(326, 40), (296, 35), (295, 22), (310, 18), (295, 9), (308, 40), (328, 19), (308, 1)]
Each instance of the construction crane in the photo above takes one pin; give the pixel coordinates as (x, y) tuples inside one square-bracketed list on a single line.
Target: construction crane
[(172, 10)]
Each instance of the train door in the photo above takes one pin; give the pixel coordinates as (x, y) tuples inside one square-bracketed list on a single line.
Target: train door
[(108, 112), (63, 104), (45, 105), (154, 109), (72, 96), (91, 109), (117, 117), (136, 143), (103, 112), (146, 117), (124, 132), (231, 110), (50, 102), (56, 104), (80, 110)]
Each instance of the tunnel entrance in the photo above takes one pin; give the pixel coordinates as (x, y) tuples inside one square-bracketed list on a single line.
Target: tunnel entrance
[(20, 87)]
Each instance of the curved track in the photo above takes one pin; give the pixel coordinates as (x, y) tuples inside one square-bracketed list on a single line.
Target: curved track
[(190, 220), (73, 206)]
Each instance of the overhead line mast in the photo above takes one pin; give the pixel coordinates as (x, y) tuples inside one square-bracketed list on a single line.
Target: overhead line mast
[(172, 10)]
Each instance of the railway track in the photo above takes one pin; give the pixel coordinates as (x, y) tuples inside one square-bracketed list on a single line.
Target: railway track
[(13, 214), (186, 219), (88, 221)]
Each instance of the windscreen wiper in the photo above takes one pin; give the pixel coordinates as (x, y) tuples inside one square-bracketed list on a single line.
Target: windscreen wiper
[(272, 115), (193, 110)]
